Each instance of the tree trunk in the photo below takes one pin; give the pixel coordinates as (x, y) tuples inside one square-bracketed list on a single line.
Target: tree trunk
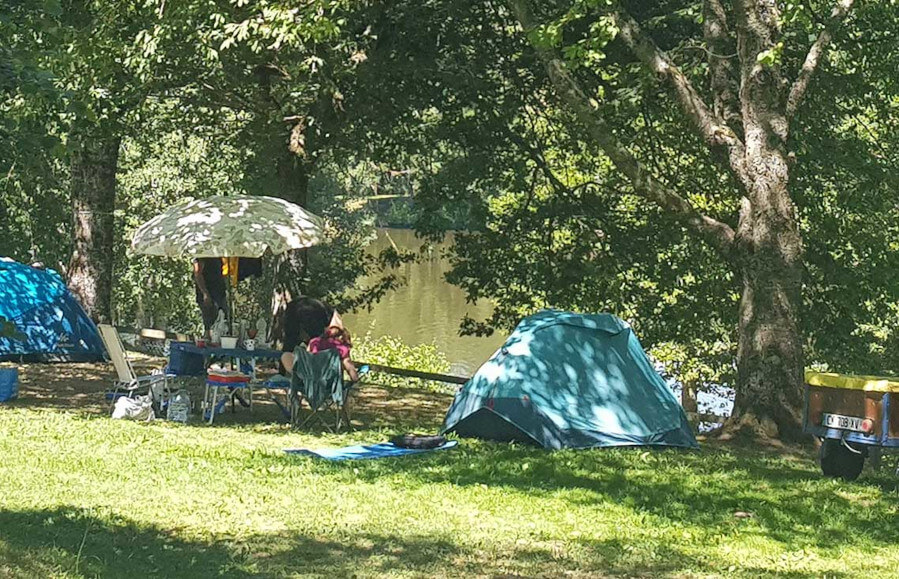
[(289, 279), (93, 181), (766, 249), (688, 396), (769, 354)]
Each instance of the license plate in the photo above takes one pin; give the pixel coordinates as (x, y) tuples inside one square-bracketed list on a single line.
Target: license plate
[(844, 422)]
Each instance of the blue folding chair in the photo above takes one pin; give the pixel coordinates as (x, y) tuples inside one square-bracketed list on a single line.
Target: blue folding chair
[(318, 379)]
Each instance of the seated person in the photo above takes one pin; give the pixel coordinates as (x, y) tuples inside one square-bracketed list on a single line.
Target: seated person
[(304, 319), (333, 338)]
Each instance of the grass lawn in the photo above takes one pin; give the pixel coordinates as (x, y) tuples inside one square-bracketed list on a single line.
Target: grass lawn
[(83, 495)]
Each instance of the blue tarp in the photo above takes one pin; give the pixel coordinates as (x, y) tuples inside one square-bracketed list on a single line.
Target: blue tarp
[(565, 380), (358, 452), (51, 323)]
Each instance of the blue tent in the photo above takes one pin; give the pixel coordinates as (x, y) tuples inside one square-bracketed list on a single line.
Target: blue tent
[(565, 380), (51, 324)]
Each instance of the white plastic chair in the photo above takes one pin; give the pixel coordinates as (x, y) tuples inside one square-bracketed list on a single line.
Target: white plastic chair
[(127, 380)]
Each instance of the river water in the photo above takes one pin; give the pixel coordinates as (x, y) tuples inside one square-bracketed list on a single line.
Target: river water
[(426, 308)]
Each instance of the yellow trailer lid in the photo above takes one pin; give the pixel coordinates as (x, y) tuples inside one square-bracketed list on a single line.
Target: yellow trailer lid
[(850, 382)]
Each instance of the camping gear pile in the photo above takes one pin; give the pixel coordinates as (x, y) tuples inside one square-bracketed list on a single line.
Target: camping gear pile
[(178, 409), (134, 408)]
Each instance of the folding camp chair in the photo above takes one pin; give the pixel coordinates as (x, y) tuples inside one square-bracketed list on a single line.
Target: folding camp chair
[(318, 379), (128, 382)]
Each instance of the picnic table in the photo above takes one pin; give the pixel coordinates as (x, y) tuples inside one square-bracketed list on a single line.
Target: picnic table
[(189, 359), (184, 356)]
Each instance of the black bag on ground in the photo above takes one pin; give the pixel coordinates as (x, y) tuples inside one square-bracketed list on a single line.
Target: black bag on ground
[(421, 441)]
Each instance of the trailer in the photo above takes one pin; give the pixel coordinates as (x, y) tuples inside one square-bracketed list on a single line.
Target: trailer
[(852, 415)]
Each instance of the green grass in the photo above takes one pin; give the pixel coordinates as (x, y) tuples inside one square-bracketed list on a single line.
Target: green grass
[(82, 495)]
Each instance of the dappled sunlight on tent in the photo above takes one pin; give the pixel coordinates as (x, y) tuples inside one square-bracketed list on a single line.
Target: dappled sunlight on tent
[(566, 379), (492, 371), (51, 324)]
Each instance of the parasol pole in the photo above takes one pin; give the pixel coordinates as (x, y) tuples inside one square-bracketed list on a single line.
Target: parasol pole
[(232, 275)]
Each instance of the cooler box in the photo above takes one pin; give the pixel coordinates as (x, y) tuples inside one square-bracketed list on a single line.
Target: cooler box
[(227, 377), (182, 363)]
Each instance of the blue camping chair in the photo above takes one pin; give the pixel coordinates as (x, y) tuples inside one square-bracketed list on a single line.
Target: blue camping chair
[(318, 379)]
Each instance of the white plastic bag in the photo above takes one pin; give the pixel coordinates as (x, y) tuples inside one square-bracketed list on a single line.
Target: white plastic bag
[(137, 408)]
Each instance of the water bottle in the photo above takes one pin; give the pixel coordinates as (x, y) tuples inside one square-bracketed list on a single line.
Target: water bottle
[(179, 407)]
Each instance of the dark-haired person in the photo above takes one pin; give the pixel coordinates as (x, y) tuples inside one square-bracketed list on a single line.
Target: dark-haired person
[(333, 338), (305, 318)]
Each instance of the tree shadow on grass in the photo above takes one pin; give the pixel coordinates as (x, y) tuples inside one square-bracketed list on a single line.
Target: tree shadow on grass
[(372, 408), (41, 543), (74, 542), (66, 386), (784, 501), (81, 388)]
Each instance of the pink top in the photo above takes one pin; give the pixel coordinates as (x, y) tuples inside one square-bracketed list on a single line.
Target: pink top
[(317, 345)]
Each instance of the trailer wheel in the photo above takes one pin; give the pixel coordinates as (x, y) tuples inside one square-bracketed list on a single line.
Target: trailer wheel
[(837, 461)]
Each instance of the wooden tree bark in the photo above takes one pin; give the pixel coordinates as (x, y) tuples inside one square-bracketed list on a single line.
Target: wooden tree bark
[(769, 356), (293, 174), (750, 123), (295, 165), (93, 165)]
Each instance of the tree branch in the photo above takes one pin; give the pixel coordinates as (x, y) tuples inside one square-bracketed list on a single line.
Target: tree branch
[(721, 43), (718, 234), (813, 58), (711, 127)]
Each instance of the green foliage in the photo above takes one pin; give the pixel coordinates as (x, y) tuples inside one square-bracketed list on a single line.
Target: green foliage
[(33, 216), (554, 226), (157, 168), (393, 351), (163, 166), (329, 102), (397, 213), (8, 330)]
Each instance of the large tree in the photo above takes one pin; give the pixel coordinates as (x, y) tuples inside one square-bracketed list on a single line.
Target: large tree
[(744, 115)]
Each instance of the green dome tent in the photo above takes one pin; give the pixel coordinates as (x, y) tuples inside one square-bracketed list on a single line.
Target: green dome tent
[(565, 380)]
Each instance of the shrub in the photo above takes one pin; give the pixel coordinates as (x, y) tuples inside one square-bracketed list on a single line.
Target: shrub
[(392, 351)]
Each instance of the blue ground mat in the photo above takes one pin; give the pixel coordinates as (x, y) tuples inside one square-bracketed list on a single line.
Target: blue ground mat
[(359, 451)]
